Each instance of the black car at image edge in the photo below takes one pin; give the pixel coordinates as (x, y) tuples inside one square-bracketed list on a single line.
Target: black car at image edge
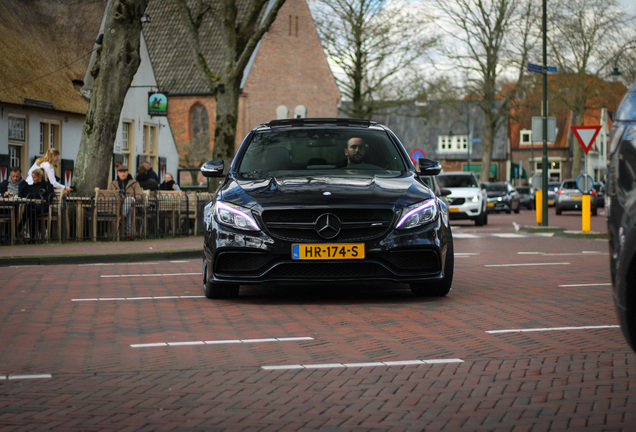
[(621, 214), (315, 201)]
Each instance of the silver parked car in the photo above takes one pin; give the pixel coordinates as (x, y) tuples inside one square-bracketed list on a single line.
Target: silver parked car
[(569, 197)]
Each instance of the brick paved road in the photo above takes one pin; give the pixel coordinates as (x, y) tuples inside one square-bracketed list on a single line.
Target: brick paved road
[(135, 347)]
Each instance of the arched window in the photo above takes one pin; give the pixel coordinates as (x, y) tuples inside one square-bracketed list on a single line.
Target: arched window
[(282, 112), (300, 111), (199, 128)]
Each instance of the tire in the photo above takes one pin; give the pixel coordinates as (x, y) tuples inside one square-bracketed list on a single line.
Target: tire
[(482, 219), (558, 211), (518, 209), (217, 290), (442, 287), (220, 290), (595, 211)]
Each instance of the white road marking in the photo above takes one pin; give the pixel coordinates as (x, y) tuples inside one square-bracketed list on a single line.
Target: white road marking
[(218, 342), (150, 275), (546, 329), (360, 365), (525, 264), (137, 298), (32, 376), (585, 285)]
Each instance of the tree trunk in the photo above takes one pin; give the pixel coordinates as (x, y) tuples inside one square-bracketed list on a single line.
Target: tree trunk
[(486, 157), (116, 63)]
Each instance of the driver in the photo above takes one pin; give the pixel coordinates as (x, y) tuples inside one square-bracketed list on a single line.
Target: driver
[(355, 151)]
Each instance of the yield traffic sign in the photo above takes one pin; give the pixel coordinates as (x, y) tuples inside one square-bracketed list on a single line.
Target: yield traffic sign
[(586, 135)]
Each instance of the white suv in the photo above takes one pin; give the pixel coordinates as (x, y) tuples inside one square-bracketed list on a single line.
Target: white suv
[(467, 200)]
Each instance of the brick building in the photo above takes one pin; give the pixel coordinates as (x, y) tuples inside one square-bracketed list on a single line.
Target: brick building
[(287, 77)]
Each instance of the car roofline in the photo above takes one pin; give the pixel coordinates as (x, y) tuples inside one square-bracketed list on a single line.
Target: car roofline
[(295, 122)]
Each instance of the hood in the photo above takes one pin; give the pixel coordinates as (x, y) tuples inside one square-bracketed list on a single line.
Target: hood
[(326, 191), (493, 194), (464, 192)]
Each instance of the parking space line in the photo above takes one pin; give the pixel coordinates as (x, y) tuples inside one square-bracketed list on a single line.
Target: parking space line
[(136, 298), (585, 285), (220, 342), (31, 376), (361, 365), (546, 329), (526, 264), (149, 275)]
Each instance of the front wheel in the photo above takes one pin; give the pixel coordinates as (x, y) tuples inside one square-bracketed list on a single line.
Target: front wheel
[(438, 288), (217, 290)]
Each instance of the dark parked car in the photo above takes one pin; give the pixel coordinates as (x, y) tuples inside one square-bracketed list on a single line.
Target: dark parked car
[(599, 187), (552, 191), (526, 196), (621, 214), (325, 200), (502, 196), (569, 197)]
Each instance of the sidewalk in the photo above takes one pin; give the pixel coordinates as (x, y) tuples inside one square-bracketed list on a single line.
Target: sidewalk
[(102, 252)]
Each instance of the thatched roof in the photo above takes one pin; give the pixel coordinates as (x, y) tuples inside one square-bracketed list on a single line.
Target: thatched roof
[(45, 46), (169, 51)]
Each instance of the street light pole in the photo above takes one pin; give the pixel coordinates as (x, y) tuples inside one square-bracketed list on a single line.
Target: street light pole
[(616, 72), (544, 163), (468, 132)]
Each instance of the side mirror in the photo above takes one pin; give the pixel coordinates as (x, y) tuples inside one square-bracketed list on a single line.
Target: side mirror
[(213, 168), (445, 192), (429, 167)]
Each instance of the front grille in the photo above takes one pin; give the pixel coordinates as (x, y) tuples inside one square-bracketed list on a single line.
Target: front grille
[(299, 225), (456, 201), (312, 270)]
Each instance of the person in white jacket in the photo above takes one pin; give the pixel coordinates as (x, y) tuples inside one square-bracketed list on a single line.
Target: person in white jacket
[(48, 163)]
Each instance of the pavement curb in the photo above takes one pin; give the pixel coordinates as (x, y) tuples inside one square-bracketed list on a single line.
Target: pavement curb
[(562, 232), (100, 258)]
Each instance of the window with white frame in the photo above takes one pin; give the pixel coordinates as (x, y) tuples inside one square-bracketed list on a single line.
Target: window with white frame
[(49, 135), (127, 140), (17, 129), (17, 140), (525, 137), (150, 143), (452, 143)]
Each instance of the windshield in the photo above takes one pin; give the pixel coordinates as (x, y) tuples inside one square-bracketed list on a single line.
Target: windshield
[(496, 187), (312, 151), (456, 181)]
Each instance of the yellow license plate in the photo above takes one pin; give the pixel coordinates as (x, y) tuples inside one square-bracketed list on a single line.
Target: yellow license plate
[(491, 204), (328, 251), (453, 210), (577, 197)]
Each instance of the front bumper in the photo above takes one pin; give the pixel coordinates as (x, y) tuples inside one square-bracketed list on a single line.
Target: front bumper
[(252, 258)]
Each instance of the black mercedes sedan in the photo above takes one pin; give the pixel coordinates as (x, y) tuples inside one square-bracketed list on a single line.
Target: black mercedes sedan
[(620, 203), (313, 201)]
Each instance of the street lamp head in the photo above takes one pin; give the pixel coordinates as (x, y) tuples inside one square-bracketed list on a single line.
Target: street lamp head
[(616, 72)]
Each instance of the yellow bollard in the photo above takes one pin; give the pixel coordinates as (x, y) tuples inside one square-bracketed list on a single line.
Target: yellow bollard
[(538, 206), (587, 213)]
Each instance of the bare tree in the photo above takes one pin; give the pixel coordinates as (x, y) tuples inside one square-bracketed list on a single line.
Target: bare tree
[(585, 36), (116, 63), (490, 42), (243, 25), (374, 47)]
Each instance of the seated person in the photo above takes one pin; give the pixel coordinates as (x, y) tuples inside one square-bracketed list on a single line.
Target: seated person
[(129, 188), (11, 186), (40, 190), (168, 183), (145, 180)]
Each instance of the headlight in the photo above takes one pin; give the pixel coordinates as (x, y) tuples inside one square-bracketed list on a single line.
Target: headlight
[(418, 214), (475, 198), (234, 216)]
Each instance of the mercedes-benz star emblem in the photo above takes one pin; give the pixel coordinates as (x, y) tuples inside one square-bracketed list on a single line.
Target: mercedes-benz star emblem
[(328, 225)]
